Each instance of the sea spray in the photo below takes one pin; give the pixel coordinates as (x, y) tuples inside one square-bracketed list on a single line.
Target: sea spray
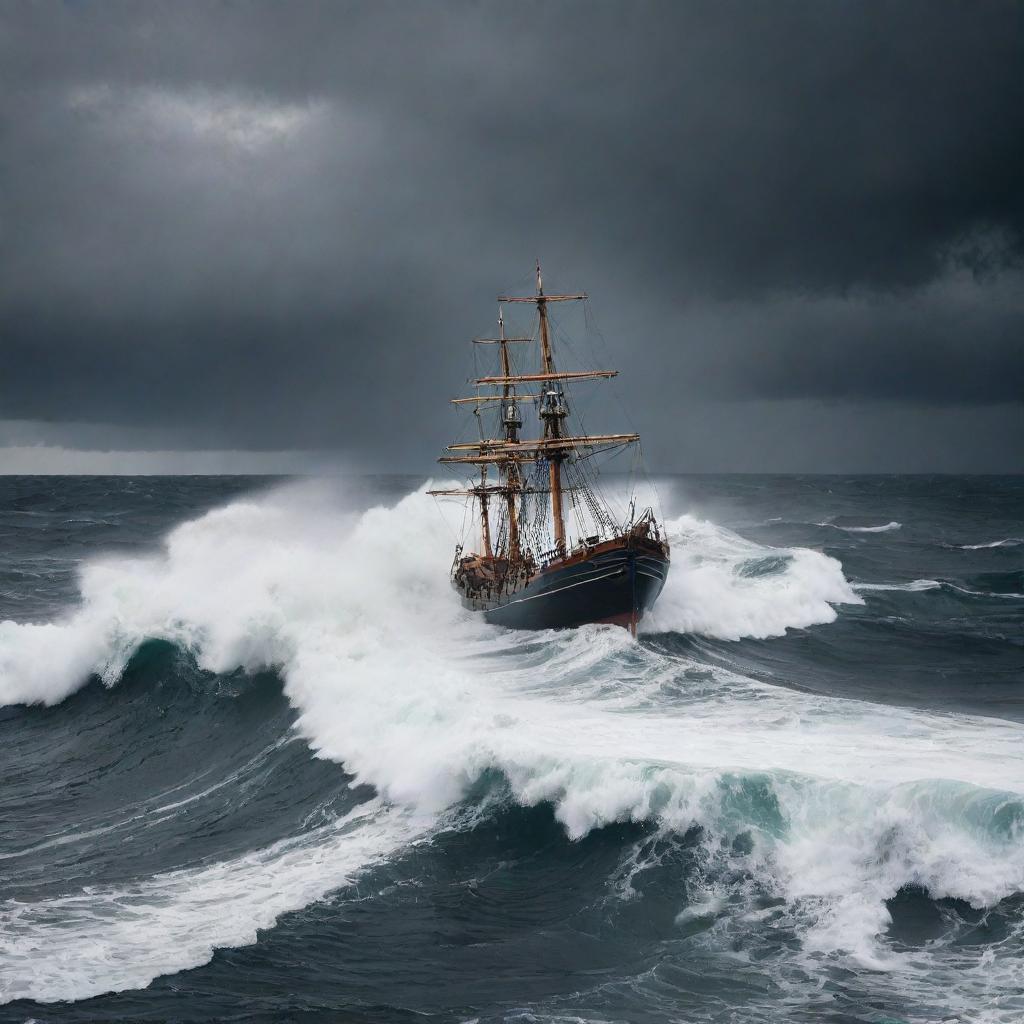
[(236, 584), (722, 585)]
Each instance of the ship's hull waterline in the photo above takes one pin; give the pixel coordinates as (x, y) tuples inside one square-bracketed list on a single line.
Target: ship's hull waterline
[(617, 584)]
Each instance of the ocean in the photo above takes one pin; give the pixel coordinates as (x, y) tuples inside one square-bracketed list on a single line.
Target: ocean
[(258, 765)]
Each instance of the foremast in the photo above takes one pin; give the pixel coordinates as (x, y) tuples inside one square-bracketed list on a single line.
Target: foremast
[(553, 412), (511, 422)]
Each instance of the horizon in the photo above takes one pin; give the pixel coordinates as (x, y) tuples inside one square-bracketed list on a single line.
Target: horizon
[(410, 474)]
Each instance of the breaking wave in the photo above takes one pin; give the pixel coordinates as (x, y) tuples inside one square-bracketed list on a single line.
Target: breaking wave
[(724, 586), (830, 805), (262, 583)]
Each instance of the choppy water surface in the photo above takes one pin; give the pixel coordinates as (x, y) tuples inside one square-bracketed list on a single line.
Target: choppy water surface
[(257, 764)]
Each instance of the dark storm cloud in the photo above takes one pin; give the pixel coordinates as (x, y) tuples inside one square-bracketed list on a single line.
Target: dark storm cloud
[(271, 225)]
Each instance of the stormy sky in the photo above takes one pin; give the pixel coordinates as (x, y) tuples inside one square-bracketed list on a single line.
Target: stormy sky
[(260, 235)]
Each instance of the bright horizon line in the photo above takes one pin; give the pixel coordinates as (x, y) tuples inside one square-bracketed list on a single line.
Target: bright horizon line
[(48, 460)]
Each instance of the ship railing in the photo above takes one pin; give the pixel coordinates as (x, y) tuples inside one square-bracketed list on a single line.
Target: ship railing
[(551, 554)]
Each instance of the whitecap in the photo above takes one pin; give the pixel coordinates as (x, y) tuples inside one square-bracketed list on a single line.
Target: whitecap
[(886, 528)]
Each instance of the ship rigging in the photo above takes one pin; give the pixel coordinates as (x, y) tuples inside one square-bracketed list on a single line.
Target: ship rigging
[(531, 571)]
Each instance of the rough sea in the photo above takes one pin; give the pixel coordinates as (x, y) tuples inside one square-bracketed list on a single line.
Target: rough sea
[(257, 764)]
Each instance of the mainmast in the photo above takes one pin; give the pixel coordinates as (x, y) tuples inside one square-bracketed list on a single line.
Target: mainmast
[(552, 404), (552, 411)]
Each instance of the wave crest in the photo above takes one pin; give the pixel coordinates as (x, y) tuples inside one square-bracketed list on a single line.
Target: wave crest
[(726, 587)]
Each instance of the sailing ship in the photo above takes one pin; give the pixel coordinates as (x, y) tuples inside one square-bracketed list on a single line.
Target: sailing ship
[(552, 553)]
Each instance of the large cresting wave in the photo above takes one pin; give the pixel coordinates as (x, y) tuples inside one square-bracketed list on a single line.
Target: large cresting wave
[(830, 805)]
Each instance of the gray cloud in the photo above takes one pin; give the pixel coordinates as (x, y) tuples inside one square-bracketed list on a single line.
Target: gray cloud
[(273, 226)]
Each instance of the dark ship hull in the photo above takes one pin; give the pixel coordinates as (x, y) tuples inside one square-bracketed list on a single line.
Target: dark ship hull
[(614, 582)]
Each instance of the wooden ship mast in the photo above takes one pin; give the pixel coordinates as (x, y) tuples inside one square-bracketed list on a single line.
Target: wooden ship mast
[(548, 456)]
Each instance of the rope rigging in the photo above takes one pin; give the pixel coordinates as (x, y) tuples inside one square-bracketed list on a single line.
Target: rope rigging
[(547, 498)]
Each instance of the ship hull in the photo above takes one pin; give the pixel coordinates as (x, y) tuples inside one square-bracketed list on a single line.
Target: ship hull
[(618, 583)]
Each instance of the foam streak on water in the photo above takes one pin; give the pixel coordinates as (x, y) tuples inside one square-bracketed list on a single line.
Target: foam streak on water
[(112, 939)]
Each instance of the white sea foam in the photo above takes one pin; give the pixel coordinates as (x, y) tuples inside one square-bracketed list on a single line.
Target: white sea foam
[(240, 586), (913, 587), (110, 939), (708, 591), (418, 698), (886, 528), (1007, 542)]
